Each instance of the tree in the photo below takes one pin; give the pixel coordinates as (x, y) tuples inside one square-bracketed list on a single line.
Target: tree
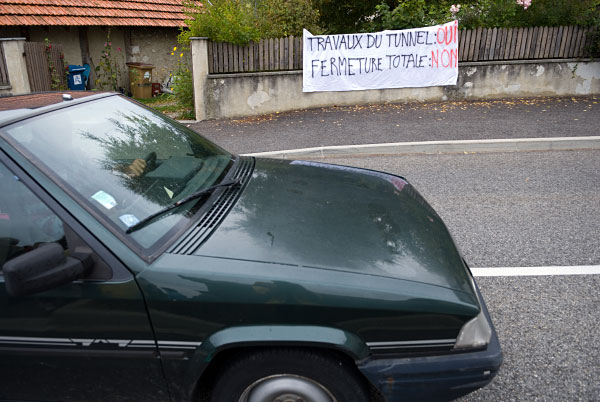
[(242, 21), (282, 18), (343, 16)]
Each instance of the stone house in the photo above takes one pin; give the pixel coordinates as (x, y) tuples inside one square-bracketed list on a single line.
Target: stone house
[(140, 30)]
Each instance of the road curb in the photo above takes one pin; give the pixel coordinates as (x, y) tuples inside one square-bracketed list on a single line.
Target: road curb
[(437, 147)]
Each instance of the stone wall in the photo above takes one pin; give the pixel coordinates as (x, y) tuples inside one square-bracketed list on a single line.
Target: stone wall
[(234, 95)]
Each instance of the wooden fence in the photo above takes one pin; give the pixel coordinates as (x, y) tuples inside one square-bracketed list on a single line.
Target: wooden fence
[(3, 70), (45, 69), (482, 44), (265, 55), (485, 44)]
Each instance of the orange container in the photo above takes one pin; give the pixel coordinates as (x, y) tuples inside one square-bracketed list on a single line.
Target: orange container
[(140, 79)]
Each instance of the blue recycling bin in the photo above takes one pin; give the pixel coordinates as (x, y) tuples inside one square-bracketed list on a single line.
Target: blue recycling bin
[(76, 79)]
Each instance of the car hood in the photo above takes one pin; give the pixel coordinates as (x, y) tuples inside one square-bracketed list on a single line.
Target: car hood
[(340, 218)]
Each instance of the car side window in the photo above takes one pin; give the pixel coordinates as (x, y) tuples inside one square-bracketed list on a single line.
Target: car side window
[(25, 221)]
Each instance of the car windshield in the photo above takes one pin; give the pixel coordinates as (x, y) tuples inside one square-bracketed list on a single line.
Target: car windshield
[(124, 161)]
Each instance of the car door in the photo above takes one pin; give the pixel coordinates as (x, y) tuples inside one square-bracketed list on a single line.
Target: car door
[(89, 340)]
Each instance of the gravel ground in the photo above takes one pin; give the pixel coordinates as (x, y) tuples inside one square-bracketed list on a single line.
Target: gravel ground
[(382, 123)]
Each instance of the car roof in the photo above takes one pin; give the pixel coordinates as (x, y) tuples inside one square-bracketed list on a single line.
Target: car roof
[(21, 106)]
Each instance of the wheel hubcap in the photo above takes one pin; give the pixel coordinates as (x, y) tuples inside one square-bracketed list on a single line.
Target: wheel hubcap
[(286, 388)]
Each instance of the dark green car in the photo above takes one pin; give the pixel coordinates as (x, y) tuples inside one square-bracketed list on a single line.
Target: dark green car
[(141, 262)]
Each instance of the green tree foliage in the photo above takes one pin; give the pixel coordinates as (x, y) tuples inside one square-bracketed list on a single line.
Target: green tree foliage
[(560, 12), (507, 13), (183, 83), (409, 14), (282, 18), (232, 21), (348, 16), (485, 13), (491, 13), (242, 21)]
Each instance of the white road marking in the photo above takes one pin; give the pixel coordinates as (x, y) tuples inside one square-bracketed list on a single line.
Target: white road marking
[(537, 271), (445, 146)]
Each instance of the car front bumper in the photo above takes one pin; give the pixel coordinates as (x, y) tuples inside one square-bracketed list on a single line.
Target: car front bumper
[(435, 378)]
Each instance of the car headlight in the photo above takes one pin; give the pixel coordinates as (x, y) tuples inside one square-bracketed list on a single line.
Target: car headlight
[(475, 333)]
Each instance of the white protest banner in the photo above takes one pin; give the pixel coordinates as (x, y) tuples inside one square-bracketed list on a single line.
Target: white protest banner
[(420, 57)]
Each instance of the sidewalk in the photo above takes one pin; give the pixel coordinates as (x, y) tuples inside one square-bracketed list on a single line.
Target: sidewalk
[(411, 122)]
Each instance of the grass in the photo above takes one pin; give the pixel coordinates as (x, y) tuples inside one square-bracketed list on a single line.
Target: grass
[(167, 104)]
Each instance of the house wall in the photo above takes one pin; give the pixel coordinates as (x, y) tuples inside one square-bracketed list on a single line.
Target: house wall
[(97, 37), (68, 37), (154, 46), (151, 45)]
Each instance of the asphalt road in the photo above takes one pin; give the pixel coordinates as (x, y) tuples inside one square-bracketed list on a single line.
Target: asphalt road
[(548, 329), (512, 118), (524, 209)]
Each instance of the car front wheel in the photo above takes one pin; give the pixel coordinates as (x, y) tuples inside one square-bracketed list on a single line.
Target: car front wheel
[(289, 375)]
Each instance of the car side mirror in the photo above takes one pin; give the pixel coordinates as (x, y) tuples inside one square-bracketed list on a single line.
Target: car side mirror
[(44, 268)]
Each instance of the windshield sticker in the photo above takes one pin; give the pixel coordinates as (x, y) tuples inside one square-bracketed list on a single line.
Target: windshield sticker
[(169, 192), (129, 220), (105, 199), (398, 182)]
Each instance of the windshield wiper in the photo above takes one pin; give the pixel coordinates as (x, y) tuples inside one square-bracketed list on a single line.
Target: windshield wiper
[(182, 201)]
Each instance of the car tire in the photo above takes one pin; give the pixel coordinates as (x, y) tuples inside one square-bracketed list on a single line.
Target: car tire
[(289, 375)]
